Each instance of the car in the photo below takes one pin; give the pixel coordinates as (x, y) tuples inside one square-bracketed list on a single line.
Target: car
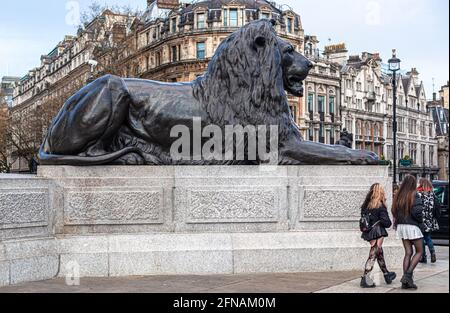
[(441, 192)]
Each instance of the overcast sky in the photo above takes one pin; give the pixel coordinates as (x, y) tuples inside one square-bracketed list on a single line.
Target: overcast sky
[(418, 29)]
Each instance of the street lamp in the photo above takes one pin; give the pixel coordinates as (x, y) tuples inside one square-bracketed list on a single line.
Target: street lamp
[(394, 67)]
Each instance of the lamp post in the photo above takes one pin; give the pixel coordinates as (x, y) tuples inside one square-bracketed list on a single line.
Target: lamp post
[(394, 67)]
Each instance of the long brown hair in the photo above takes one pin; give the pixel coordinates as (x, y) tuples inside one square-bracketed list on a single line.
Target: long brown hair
[(404, 200), (375, 198)]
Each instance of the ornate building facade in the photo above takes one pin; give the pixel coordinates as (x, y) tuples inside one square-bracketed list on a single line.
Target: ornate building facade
[(441, 122), (320, 116), (367, 112), (416, 131)]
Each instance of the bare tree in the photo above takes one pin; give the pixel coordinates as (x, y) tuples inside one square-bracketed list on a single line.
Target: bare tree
[(4, 168), (27, 127)]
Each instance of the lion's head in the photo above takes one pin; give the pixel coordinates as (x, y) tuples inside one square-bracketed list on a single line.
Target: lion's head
[(249, 73)]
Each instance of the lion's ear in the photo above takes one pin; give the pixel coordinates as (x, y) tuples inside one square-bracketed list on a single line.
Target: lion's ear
[(260, 41)]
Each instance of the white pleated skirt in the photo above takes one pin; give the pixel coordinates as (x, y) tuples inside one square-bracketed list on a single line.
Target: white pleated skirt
[(409, 232)]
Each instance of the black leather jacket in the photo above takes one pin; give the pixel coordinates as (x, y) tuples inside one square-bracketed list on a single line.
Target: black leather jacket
[(416, 216), (379, 215)]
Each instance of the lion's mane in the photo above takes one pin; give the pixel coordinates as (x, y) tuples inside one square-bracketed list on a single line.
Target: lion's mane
[(244, 82)]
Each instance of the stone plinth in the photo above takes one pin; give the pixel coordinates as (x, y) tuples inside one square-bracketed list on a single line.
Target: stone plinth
[(25, 208), (121, 221), (117, 200)]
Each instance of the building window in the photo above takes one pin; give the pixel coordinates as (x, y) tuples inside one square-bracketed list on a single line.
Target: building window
[(289, 26), (321, 133), (158, 58), (412, 126), (311, 102), (348, 84), (390, 152), (359, 104), (401, 124), (413, 152), (431, 155), (349, 125), (311, 131), (225, 18), (233, 17), (422, 129), (423, 153), (401, 149), (201, 50), (321, 104), (331, 105), (174, 25), (431, 130), (174, 54), (201, 20), (348, 100), (358, 86)]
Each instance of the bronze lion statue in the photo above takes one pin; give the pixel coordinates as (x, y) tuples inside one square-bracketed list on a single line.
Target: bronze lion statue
[(129, 121)]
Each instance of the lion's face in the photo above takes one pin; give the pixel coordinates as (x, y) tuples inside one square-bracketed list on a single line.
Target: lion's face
[(295, 68)]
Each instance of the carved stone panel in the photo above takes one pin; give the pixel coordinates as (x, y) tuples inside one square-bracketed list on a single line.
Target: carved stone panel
[(124, 206), (23, 208), (328, 204), (232, 205)]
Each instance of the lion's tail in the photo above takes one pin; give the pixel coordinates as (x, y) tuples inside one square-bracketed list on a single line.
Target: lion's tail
[(52, 159)]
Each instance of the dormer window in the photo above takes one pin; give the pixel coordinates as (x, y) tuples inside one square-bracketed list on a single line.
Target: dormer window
[(233, 17), (289, 25), (174, 25), (200, 20)]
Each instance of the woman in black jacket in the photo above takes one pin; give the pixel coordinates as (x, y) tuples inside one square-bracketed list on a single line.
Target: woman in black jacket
[(407, 210), (374, 208)]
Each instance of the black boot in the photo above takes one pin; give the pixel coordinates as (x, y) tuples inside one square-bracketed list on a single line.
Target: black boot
[(389, 277), (408, 281), (423, 260), (365, 283), (433, 257)]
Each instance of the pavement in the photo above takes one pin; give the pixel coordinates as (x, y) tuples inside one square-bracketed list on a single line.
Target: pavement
[(431, 278)]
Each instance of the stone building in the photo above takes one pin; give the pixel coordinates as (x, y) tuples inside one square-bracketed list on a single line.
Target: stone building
[(320, 118), (367, 112), (363, 98), (416, 136), (444, 95), (7, 89), (441, 121)]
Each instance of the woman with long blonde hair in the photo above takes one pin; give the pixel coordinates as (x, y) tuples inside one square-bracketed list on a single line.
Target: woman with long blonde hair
[(374, 210), (407, 210)]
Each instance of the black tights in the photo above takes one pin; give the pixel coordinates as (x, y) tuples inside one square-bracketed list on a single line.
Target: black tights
[(376, 255), (410, 261)]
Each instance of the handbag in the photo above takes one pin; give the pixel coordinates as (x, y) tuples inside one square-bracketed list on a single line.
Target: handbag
[(364, 223)]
